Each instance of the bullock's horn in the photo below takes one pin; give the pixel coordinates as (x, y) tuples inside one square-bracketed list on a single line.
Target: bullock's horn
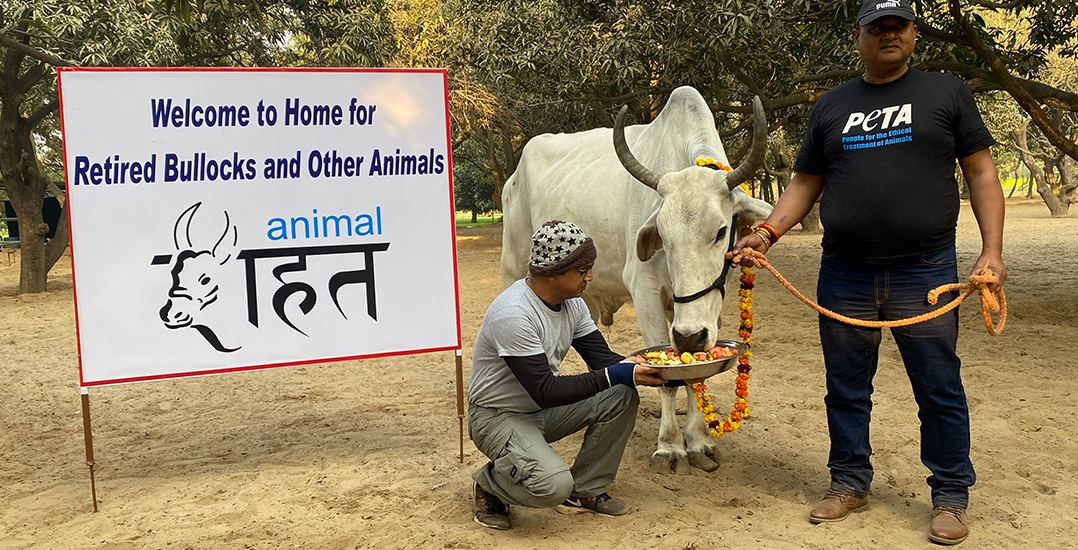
[(181, 232), (759, 143), (639, 171)]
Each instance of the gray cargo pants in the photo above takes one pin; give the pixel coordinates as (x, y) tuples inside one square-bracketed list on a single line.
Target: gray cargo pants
[(524, 469)]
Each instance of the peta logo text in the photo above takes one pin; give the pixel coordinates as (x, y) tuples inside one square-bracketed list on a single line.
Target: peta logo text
[(882, 119)]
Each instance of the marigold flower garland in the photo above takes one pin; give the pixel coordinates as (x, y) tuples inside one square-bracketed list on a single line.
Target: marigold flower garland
[(708, 161), (741, 383)]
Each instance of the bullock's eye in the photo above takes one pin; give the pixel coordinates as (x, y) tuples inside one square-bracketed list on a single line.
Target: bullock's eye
[(722, 233), (204, 280)]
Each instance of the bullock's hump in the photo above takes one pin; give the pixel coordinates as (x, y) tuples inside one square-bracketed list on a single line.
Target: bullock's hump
[(578, 149)]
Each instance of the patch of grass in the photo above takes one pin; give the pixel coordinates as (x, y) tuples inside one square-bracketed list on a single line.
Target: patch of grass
[(464, 219)]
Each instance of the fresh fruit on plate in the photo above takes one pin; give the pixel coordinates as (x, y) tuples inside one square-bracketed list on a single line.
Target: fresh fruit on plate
[(670, 356)]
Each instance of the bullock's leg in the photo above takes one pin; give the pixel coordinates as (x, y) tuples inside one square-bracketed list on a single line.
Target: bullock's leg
[(702, 447), (652, 316), (671, 448)]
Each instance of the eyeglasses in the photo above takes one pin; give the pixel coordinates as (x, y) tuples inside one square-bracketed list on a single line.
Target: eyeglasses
[(584, 272)]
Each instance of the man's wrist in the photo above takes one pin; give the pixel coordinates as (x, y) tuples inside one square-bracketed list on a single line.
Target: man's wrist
[(622, 373)]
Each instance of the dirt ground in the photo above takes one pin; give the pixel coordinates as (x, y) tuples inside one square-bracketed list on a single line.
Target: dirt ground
[(365, 454)]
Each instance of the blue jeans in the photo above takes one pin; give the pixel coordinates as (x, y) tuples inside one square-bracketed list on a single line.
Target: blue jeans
[(851, 355)]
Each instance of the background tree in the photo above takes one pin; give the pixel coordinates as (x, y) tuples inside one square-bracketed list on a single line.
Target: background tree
[(37, 36), (522, 69), (473, 187), (566, 66)]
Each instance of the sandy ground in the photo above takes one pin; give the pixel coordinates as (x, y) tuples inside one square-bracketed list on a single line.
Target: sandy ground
[(364, 454)]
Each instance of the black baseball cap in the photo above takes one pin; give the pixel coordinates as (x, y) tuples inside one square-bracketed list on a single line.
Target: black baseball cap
[(872, 10)]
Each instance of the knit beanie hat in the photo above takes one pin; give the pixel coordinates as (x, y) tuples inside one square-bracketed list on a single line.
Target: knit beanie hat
[(558, 247)]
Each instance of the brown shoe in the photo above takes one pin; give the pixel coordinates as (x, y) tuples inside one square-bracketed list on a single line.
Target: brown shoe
[(948, 525), (835, 506)]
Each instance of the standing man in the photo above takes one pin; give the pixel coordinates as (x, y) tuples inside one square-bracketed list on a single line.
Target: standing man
[(519, 402), (882, 150)]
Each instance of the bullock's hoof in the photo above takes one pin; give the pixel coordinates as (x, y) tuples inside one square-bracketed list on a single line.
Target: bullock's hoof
[(703, 461), (668, 463)]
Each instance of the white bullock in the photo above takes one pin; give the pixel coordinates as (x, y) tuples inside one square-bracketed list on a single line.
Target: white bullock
[(658, 238)]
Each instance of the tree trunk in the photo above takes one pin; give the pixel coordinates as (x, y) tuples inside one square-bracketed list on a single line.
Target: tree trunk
[(1055, 206), (486, 138), (475, 216), (27, 198), (963, 189), (1017, 165), (783, 162), (1068, 180), (764, 193), (811, 222), (20, 171)]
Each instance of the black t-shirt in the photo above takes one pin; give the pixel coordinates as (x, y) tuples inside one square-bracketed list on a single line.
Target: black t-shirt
[(887, 153)]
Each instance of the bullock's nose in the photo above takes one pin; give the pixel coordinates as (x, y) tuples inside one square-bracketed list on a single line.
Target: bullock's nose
[(696, 341)]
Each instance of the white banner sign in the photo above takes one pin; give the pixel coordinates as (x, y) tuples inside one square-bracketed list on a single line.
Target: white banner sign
[(227, 220)]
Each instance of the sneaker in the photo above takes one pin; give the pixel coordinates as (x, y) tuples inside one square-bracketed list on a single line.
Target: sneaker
[(600, 504), (489, 510)]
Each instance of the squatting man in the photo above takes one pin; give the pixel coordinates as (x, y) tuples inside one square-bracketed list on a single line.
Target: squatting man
[(519, 401)]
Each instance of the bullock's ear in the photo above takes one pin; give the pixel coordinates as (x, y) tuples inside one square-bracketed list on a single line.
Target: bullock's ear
[(749, 209), (648, 240)]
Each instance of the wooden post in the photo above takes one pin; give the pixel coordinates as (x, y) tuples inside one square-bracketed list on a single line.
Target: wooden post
[(89, 437), (460, 401)]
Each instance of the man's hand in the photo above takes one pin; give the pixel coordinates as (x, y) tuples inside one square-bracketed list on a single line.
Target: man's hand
[(753, 241), (994, 263), (647, 376)]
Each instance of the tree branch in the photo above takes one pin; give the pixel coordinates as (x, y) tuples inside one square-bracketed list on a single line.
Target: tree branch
[(30, 78), (615, 100), (837, 74), (953, 38), (998, 6), (1012, 86), (39, 55), (741, 76), (773, 105), (979, 81), (745, 123), (42, 112)]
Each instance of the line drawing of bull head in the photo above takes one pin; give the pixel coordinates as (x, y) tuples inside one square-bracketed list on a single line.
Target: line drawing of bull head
[(194, 276)]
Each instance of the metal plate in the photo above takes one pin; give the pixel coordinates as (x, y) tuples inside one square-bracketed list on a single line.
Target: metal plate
[(700, 369)]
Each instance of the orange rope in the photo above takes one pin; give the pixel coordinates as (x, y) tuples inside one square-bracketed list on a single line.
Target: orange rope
[(977, 283)]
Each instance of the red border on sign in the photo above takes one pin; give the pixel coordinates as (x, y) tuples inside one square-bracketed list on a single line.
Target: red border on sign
[(452, 216)]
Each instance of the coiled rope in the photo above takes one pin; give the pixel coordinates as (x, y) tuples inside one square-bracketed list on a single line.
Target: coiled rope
[(990, 302)]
